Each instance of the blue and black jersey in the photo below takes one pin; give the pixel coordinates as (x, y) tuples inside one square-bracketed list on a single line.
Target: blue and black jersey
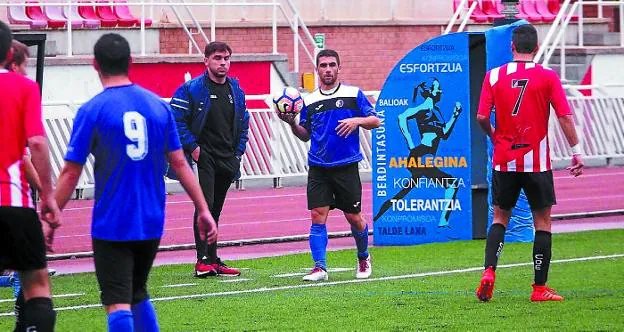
[(320, 117), (129, 131)]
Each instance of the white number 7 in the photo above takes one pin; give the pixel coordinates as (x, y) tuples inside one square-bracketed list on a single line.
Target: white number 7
[(136, 131)]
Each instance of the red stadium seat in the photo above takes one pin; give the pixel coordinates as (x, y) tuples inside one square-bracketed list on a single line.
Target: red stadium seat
[(17, 15), (36, 13), (490, 8), (542, 8), (478, 15), (554, 6), (528, 11), (86, 10), (123, 12), (106, 13), (75, 15), (56, 13)]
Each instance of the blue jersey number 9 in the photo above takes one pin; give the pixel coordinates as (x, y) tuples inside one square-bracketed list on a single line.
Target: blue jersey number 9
[(136, 131)]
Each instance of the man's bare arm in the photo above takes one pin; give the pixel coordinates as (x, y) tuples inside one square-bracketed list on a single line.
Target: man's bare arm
[(300, 131), (67, 182), (567, 125), (40, 157), (486, 126)]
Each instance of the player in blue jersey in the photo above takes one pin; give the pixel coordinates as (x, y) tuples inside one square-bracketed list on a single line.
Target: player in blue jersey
[(132, 134), (331, 120)]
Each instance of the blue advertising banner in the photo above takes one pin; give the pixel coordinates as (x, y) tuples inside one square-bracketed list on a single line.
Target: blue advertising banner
[(421, 152)]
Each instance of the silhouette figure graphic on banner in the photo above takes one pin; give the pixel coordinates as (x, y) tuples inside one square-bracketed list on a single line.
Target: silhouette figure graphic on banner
[(432, 127)]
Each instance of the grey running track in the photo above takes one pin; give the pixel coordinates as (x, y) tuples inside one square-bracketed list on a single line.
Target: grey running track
[(261, 213)]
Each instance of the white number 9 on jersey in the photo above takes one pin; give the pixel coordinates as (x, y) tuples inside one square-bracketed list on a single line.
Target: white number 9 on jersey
[(136, 131)]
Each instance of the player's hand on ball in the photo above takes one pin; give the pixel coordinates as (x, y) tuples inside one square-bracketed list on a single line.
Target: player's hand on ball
[(576, 166), (207, 227), (287, 117)]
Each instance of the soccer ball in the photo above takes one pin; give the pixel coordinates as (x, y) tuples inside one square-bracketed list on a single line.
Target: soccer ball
[(288, 101)]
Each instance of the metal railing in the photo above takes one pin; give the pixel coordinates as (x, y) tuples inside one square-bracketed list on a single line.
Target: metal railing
[(555, 38), (273, 152), (600, 124), (302, 36), (461, 13)]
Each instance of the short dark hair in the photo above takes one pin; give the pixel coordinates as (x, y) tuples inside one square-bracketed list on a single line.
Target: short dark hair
[(525, 39), (112, 54), (20, 53), (216, 46), (5, 41), (326, 53)]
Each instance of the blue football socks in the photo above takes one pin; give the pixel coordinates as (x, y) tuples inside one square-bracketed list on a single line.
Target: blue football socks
[(17, 284), (120, 321), (361, 241), (145, 316), (318, 245), (6, 281)]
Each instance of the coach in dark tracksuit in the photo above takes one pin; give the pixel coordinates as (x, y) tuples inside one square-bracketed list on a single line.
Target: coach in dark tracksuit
[(213, 123)]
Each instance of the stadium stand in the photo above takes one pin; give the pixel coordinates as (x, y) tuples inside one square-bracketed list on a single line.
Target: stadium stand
[(491, 9), (36, 13), (86, 10), (55, 13), (529, 12), (123, 12), (535, 11), (75, 16), (107, 13), (477, 15), (542, 8), (17, 15)]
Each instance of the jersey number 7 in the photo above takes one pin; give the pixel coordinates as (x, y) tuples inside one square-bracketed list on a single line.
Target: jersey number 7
[(519, 84)]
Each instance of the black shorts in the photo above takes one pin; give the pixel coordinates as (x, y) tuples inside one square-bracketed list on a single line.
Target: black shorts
[(22, 247), (336, 187), (538, 188), (122, 268)]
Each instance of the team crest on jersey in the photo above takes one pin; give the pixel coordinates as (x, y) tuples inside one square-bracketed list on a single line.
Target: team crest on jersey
[(339, 103)]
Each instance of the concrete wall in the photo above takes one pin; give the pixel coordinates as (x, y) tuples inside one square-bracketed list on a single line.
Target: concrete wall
[(368, 53), (83, 40)]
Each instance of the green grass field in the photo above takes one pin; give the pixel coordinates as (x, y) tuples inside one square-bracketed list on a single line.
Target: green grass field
[(406, 292)]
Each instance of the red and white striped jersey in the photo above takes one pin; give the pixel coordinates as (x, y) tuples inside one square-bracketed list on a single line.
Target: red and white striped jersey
[(20, 119), (521, 94)]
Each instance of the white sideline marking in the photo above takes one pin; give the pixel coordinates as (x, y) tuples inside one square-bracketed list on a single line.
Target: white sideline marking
[(235, 280), (178, 285), (288, 275), (53, 296), (299, 274), (333, 269), (332, 283)]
